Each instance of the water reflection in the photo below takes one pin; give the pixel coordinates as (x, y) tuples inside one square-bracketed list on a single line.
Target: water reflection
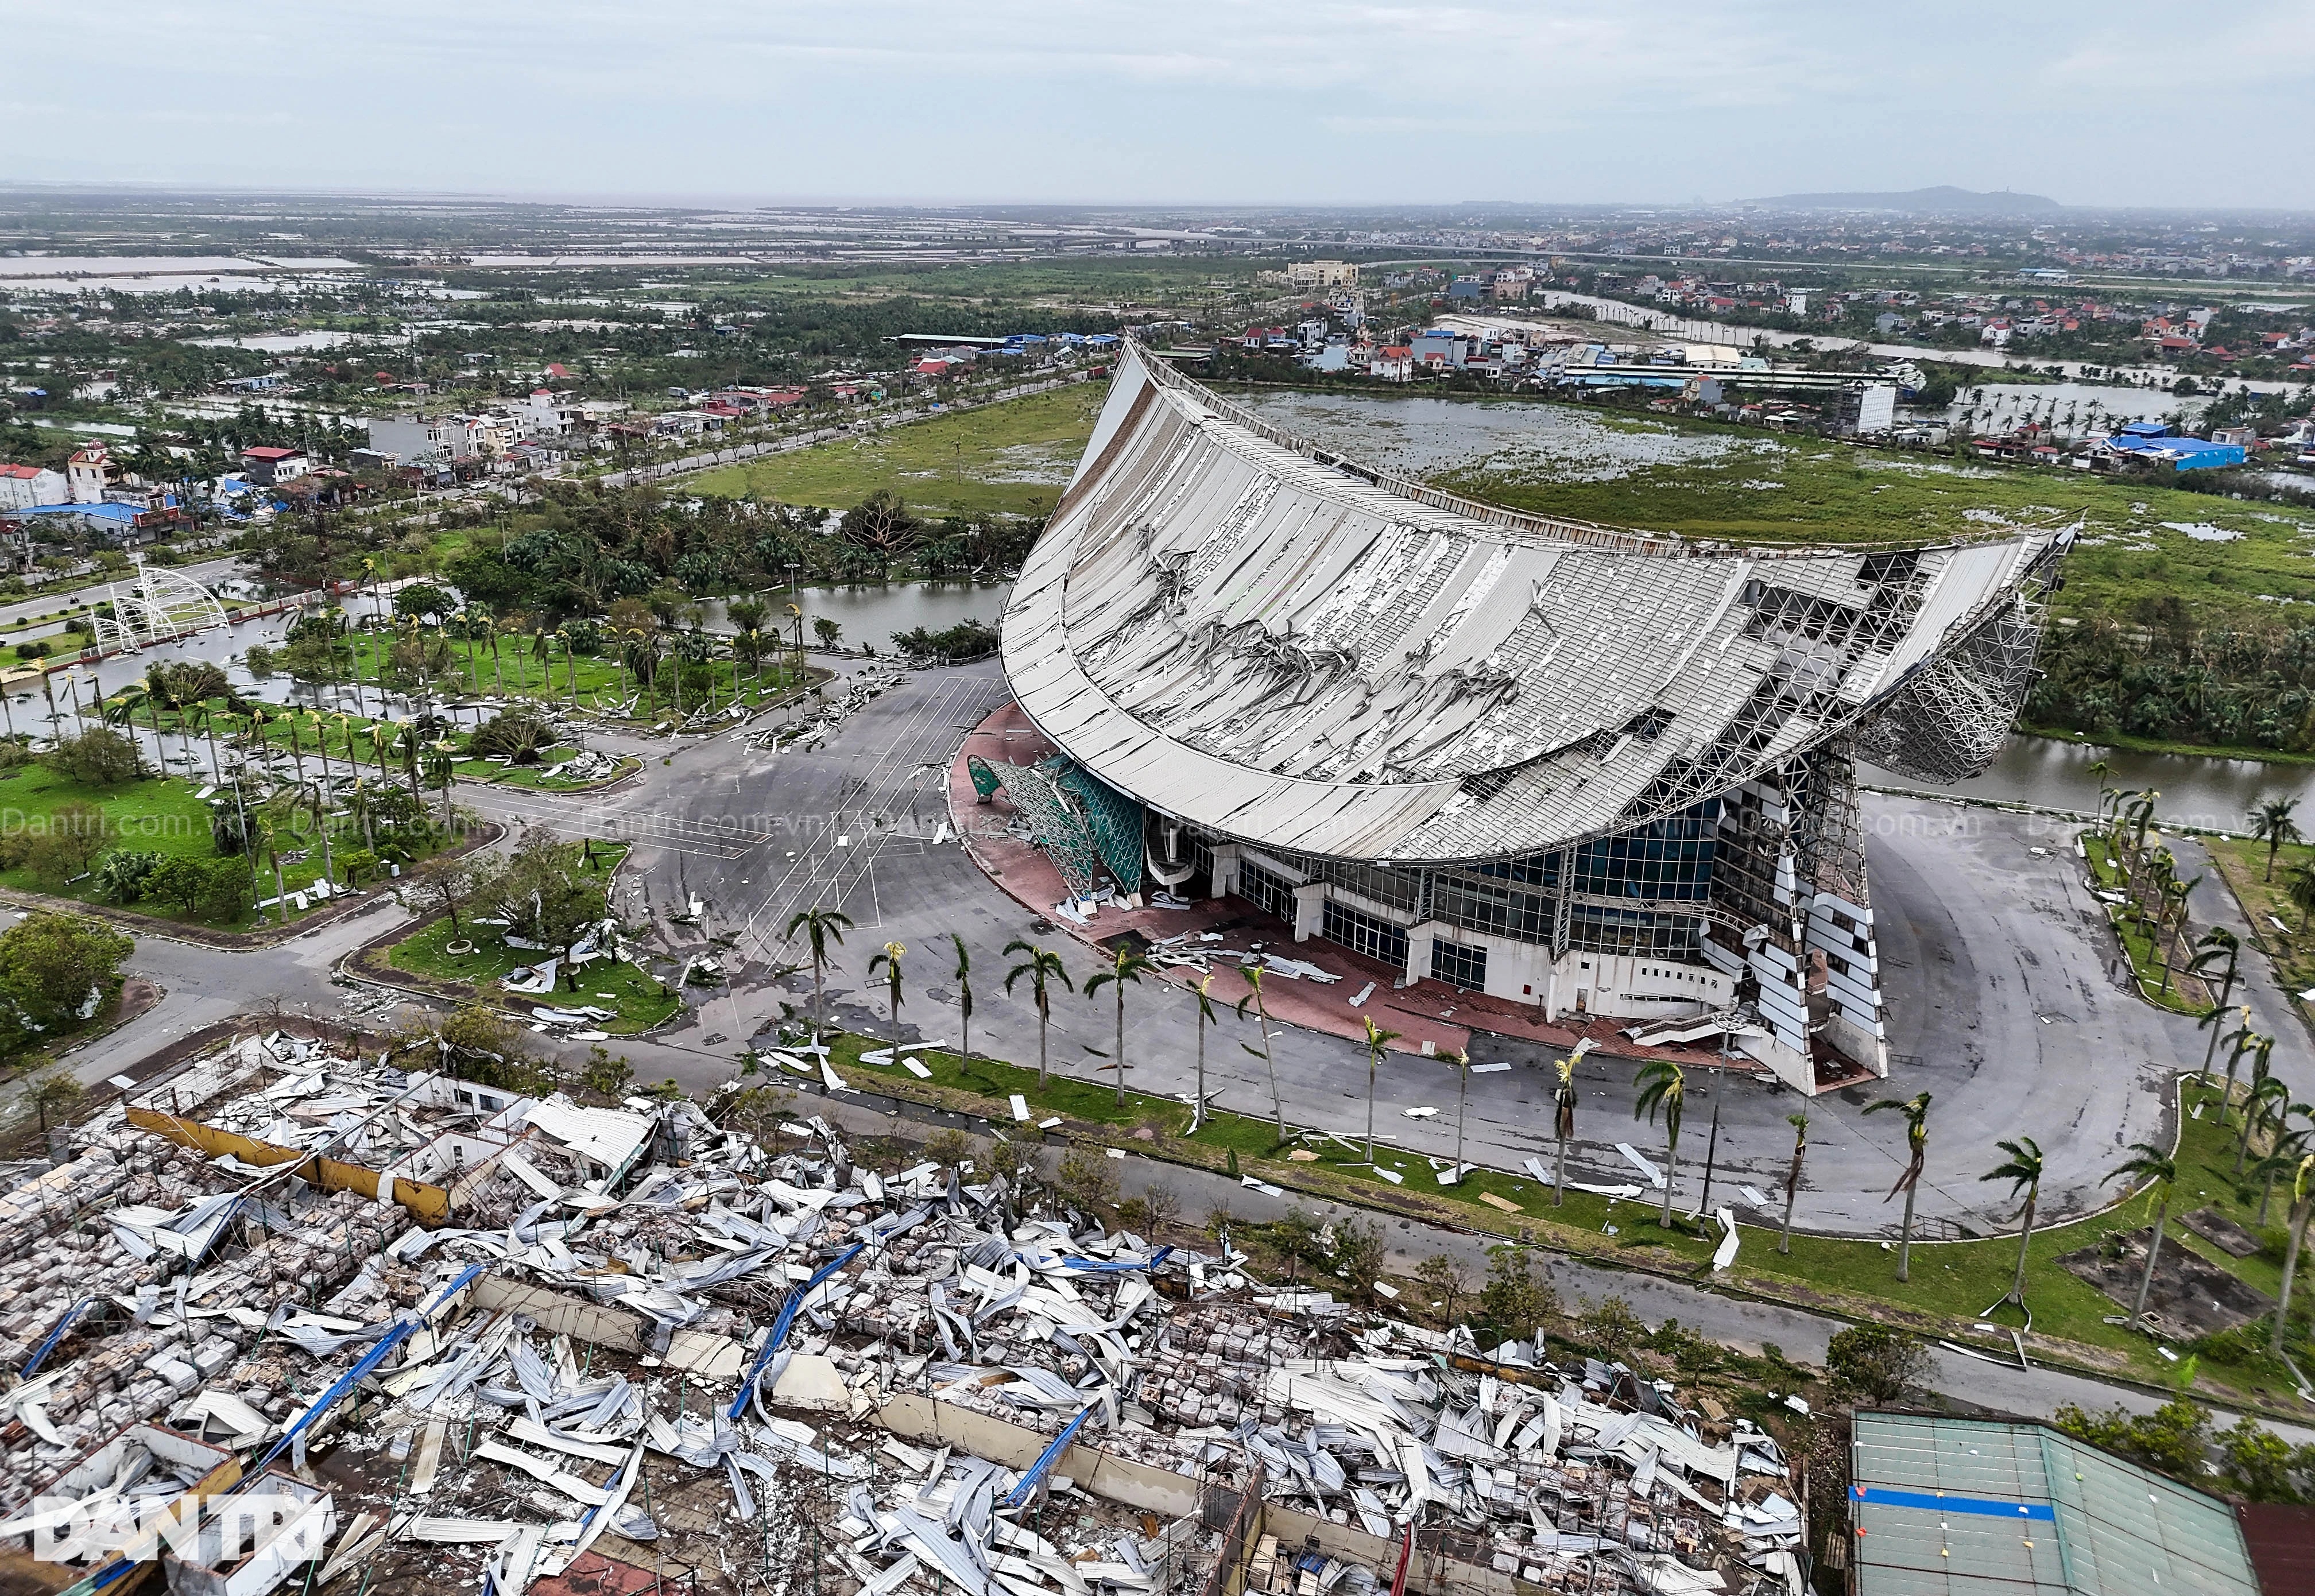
[(2195, 790)]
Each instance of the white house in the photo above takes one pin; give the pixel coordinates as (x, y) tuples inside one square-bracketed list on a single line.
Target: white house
[(21, 487)]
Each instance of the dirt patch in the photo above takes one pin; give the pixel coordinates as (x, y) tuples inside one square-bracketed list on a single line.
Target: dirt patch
[(2221, 1232), (2191, 1298)]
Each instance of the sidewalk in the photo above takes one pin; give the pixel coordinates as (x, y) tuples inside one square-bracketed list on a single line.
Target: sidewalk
[(1421, 1012)]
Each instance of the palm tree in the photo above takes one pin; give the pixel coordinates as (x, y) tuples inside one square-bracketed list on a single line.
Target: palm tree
[(1462, 1062), (964, 994), (2271, 823), (2023, 1171), (2290, 1146), (889, 962), (2161, 1171), (1799, 1122), (1378, 1039), (2172, 916), (1128, 965), (2141, 814), (2218, 946), (1664, 1085), (1269, 1063), (821, 927), (1916, 1110), (2262, 1092), (1564, 1097), (1206, 1016), (2299, 886), (2239, 1042), (2303, 1202), (1042, 967), (2098, 771)]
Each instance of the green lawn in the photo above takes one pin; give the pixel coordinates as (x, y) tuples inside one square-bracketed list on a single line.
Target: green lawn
[(1785, 489), (1013, 458), (603, 687), (640, 999), (1957, 1279), (156, 815), (352, 750)]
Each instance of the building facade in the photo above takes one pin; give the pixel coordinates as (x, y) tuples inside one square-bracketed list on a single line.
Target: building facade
[(1591, 770)]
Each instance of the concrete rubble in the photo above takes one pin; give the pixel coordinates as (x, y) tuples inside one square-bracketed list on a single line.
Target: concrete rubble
[(487, 1334)]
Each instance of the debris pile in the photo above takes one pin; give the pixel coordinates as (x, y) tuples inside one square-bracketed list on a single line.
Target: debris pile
[(582, 1333), (819, 717)]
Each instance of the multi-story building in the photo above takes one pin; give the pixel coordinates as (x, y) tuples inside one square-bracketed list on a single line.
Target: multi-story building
[(21, 487)]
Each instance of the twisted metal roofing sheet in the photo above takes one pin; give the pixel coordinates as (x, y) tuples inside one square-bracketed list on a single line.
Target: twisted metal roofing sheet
[(1300, 654)]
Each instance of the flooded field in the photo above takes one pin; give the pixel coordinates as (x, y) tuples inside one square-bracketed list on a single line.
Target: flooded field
[(1428, 438)]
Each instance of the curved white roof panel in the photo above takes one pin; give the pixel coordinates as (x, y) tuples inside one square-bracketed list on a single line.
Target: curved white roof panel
[(1246, 632)]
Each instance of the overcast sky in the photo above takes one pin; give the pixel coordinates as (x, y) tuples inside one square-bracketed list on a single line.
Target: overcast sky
[(1187, 100)]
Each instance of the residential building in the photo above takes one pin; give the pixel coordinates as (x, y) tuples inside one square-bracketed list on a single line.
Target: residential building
[(23, 487), (1322, 274), (1393, 362), (90, 472), (271, 467)]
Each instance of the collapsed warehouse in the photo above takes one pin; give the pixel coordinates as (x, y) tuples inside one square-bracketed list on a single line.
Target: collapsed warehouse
[(441, 1332)]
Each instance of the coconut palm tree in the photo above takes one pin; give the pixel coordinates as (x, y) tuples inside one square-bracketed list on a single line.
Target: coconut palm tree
[(2023, 1171), (2221, 950), (821, 927), (1206, 1016), (964, 995), (2172, 917), (1564, 1096), (2098, 771), (2271, 823), (1128, 965), (2140, 816), (1376, 1039), (1799, 1122), (1042, 967), (1664, 1085), (2156, 1169), (2302, 1202), (1916, 1112), (2239, 1042), (2290, 1146), (2258, 1099), (1269, 1063), (2299, 886), (889, 962)]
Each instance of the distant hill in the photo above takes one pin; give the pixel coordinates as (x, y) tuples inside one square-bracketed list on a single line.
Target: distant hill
[(1945, 199)]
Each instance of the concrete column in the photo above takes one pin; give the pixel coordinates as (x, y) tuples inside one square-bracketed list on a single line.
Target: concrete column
[(1310, 909), (1226, 858)]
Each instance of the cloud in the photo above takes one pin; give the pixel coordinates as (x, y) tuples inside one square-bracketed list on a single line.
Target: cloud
[(1325, 100)]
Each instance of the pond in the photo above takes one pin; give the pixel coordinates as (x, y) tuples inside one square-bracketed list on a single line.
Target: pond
[(872, 612), (2074, 409), (2195, 790)]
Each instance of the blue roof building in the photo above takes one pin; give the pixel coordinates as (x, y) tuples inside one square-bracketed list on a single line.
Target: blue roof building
[(2183, 453)]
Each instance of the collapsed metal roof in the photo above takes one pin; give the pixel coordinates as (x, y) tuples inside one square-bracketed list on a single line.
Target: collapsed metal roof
[(1250, 634)]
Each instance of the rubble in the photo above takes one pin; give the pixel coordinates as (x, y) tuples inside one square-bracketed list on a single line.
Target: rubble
[(489, 1334), (818, 717)]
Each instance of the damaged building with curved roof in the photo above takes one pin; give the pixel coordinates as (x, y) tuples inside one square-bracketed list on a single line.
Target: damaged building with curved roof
[(1600, 771)]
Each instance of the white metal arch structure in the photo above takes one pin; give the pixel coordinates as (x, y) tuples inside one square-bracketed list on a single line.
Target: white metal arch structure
[(159, 607)]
